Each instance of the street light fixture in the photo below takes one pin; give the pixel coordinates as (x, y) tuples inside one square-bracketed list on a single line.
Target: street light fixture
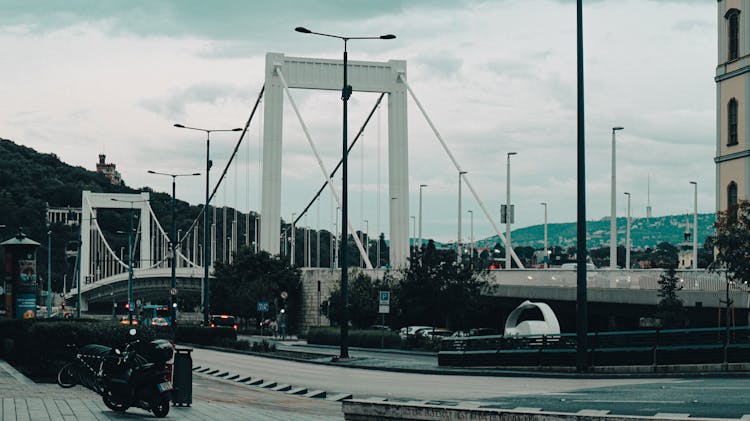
[(613, 216), (346, 92), (421, 186), (627, 236), (206, 247), (695, 225), (508, 214), (174, 240)]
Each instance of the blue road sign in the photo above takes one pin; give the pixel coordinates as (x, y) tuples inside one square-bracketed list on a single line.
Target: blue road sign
[(262, 306), (385, 298)]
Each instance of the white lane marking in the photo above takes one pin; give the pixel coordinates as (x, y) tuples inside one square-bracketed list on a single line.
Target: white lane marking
[(671, 415), (623, 401), (526, 409), (593, 412)]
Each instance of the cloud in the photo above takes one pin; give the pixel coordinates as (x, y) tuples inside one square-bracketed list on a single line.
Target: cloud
[(175, 103)]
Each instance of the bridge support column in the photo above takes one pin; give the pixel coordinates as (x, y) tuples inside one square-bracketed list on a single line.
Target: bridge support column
[(272, 140), (398, 171)]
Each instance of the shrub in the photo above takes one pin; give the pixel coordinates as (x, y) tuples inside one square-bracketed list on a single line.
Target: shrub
[(263, 346), (359, 338), (201, 335), (242, 344)]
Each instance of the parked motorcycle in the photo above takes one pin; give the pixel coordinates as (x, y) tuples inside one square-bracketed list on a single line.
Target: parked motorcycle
[(136, 376), (139, 377)]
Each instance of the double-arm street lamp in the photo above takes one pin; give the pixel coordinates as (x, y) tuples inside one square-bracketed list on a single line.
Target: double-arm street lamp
[(206, 247), (174, 241), (130, 259), (695, 224), (346, 92), (421, 186)]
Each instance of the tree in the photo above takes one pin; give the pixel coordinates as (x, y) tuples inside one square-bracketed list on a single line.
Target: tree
[(731, 241), (670, 308), (363, 301), (254, 277), (438, 291)]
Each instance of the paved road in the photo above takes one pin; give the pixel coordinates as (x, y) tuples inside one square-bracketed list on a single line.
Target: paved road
[(368, 383)]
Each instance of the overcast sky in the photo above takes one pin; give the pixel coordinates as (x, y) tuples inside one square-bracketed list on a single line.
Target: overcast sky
[(81, 78)]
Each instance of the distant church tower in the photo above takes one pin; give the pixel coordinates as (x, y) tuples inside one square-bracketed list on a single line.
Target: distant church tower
[(733, 104)]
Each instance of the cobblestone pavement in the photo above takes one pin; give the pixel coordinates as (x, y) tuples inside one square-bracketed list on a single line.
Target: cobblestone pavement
[(213, 399)]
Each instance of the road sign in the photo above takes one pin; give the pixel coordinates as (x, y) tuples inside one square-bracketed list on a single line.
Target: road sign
[(385, 309), (263, 307), (173, 291), (385, 298)]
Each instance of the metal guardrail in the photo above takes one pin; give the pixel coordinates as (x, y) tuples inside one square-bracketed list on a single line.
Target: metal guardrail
[(642, 347)]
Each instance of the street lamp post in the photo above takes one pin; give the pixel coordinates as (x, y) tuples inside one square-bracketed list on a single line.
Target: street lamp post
[(206, 247), (49, 273), (471, 238), (130, 259), (508, 213), (458, 237), (613, 216), (627, 235), (421, 186), (695, 224), (366, 237), (174, 241), (346, 92), (546, 254), (292, 241), (413, 231)]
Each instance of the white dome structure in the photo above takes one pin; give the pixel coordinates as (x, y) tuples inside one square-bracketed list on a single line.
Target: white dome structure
[(548, 326)]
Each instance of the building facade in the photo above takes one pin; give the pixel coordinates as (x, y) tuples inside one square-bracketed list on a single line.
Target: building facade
[(732, 100), (109, 170)]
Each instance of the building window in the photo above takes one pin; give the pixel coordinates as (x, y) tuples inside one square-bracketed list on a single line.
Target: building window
[(732, 199), (733, 34), (732, 119)]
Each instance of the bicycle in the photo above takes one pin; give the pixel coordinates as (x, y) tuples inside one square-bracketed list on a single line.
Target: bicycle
[(86, 369)]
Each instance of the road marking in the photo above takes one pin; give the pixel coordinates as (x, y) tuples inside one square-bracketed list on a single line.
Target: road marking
[(526, 409), (593, 412), (623, 401), (671, 415)]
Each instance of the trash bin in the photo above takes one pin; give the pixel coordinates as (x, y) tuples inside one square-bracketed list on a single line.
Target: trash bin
[(183, 377)]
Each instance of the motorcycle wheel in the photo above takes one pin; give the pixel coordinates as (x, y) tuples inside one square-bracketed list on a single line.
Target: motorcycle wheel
[(161, 407), (66, 377), (111, 404)]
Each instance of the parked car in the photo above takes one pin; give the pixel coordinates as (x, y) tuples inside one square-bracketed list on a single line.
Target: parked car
[(479, 331), (435, 334), (407, 331)]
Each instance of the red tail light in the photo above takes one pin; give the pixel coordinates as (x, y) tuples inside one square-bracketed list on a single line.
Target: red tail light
[(213, 325), (235, 327)]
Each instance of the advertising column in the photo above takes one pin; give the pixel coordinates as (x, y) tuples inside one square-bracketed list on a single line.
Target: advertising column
[(20, 267)]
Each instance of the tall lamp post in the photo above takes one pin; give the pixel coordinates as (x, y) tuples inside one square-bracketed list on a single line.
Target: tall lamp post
[(627, 235), (458, 237), (421, 186), (546, 253), (206, 248), (49, 273), (130, 259), (613, 215), (174, 241), (508, 213), (695, 224), (471, 236), (346, 92)]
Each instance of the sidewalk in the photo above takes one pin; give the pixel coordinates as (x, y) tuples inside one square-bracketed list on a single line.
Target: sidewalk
[(22, 399)]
